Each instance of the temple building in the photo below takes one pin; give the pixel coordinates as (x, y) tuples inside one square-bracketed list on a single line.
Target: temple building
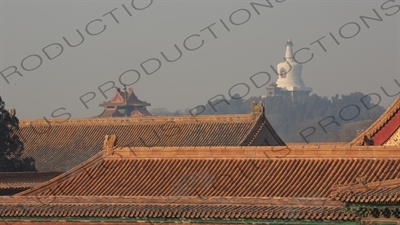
[(58, 145), (289, 84), (124, 104)]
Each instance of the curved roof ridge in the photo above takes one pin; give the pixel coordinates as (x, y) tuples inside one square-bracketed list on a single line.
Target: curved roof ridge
[(379, 123), (270, 138), (252, 134)]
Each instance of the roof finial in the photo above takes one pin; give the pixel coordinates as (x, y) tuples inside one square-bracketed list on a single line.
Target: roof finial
[(257, 110), (109, 144), (12, 112)]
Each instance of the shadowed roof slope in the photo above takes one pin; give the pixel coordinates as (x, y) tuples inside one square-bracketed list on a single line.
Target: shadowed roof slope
[(59, 145), (13, 182), (222, 171), (384, 128)]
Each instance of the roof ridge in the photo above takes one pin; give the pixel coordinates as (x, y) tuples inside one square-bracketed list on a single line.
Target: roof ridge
[(259, 152), (258, 112), (183, 200), (145, 119), (253, 133), (379, 123)]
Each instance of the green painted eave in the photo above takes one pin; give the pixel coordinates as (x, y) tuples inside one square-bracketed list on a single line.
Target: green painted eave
[(373, 205)]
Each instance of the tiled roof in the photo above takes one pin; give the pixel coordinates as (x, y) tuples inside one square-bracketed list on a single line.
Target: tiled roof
[(121, 207), (181, 211), (59, 145), (386, 124), (17, 180), (124, 97), (224, 171), (376, 192), (142, 111), (111, 112), (14, 182)]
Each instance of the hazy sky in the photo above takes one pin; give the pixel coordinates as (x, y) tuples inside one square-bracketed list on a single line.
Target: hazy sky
[(365, 62)]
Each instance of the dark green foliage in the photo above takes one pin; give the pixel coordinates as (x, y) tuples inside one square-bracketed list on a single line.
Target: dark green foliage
[(11, 147)]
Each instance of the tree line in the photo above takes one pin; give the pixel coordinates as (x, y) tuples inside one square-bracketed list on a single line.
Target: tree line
[(350, 113), (11, 147)]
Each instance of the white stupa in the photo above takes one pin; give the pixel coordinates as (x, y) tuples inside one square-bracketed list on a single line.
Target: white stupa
[(289, 83)]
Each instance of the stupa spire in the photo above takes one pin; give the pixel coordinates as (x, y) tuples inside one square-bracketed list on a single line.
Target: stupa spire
[(289, 50)]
